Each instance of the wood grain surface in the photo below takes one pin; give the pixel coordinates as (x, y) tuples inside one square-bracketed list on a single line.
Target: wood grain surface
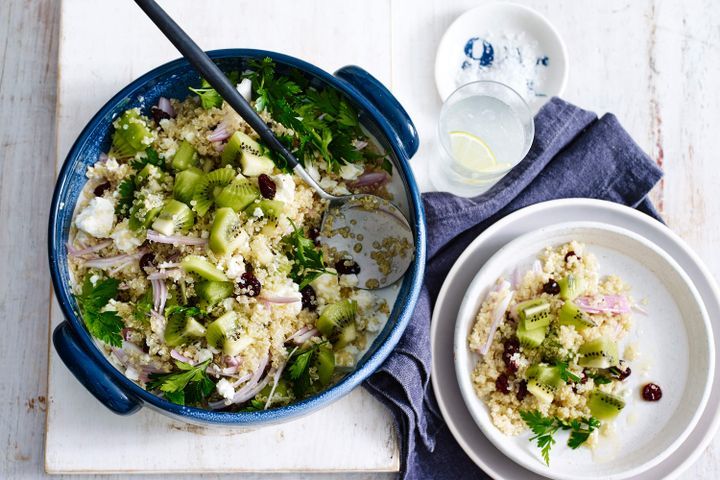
[(654, 64)]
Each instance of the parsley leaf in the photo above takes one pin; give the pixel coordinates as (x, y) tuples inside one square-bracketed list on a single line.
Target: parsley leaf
[(565, 374), (598, 378), (151, 158), (544, 429), (190, 386), (143, 306), (105, 326), (126, 196), (308, 263), (298, 369), (209, 97)]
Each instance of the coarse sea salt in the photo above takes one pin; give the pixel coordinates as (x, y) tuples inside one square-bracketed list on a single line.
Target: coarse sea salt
[(512, 59)]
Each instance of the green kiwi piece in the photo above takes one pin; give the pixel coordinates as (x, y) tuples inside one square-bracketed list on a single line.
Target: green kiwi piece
[(184, 156), (335, 317), (180, 329), (221, 328), (534, 314), (604, 406), (325, 364), (570, 314), (136, 222), (225, 231), (238, 142), (149, 170), (254, 165), (235, 343), (530, 338), (174, 217), (199, 265), (346, 336), (599, 353), (237, 195), (213, 292), (131, 134), (185, 183), (543, 381), (270, 208), (209, 186), (571, 287)]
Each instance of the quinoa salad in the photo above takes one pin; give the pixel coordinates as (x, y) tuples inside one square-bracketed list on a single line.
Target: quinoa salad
[(197, 259), (548, 340)]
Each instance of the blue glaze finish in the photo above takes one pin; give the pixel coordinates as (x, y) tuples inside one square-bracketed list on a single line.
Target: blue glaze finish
[(485, 59), (380, 113), (369, 87)]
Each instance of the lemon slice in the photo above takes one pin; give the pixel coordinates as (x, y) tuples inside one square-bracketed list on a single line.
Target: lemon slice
[(471, 152)]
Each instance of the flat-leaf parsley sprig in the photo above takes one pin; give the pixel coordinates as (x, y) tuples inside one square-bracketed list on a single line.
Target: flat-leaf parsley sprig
[(544, 428), (92, 299), (190, 386)]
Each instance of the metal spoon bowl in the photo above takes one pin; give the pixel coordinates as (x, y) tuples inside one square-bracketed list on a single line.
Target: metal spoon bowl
[(367, 228)]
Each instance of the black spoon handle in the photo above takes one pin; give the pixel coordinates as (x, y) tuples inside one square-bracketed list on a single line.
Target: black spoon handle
[(215, 77)]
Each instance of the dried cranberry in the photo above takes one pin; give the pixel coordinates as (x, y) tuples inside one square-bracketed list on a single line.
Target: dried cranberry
[(347, 267), (551, 287), (502, 384), (309, 299), (158, 114), (621, 372), (147, 260), (101, 189), (512, 365), (249, 267), (571, 253), (313, 233), (512, 345), (267, 186), (583, 377), (651, 392), (249, 284), (522, 390)]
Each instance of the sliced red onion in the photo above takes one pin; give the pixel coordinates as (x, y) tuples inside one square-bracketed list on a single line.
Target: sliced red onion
[(245, 395), (281, 300), (231, 361), (74, 252), (169, 265), (180, 357), (537, 266), (371, 178), (498, 316), (249, 387), (160, 294), (359, 144), (108, 262), (229, 371), (162, 274), (300, 339), (156, 237), (517, 278), (245, 88), (220, 133), (603, 304), (242, 380), (165, 105), (126, 332), (299, 332), (131, 347), (276, 379)]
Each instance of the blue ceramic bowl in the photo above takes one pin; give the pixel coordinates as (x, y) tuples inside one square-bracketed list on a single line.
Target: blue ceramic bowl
[(380, 112)]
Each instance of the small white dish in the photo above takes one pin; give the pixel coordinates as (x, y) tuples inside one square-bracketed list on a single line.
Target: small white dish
[(504, 26), (445, 385), (674, 341)]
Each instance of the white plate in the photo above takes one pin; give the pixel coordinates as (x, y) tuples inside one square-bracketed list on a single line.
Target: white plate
[(504, 22), (674, 336), (445, 385)]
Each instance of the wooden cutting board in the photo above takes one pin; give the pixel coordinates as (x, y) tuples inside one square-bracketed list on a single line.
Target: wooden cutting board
[(105, 45)]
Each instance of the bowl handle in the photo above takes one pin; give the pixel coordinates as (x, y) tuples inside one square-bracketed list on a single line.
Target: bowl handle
[(376, 93), (96, 380)]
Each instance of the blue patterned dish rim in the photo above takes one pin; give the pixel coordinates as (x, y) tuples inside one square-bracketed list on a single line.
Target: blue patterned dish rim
[(380, 112)]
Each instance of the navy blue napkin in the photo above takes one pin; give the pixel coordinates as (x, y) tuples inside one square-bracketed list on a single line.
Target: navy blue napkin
[(574, 154)]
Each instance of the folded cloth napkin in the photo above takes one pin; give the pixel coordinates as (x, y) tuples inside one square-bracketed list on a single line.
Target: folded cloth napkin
[(574, 154)]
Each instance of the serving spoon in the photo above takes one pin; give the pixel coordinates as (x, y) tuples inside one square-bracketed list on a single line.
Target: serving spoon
[(367, 228)]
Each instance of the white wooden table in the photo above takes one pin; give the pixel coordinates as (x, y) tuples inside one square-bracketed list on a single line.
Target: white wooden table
[(656, 65)]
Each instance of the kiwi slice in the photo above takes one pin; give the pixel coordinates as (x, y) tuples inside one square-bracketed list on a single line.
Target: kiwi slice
[(543, 381), (570, 314), (213, 292), (146, 172), (184, 156), (174, 217), (530, 338), (605, 406), (270, 208), (254, 165), (225, 231), (199, 265), (209, 186), (534, 314), (132, 134), (235, 343), (237, 195), (185, 183), (571, 287), (221, 328), (180, 328), (347, 335), (137, 222), (237, 143), (325, 364), (599, 353), (335, 317)]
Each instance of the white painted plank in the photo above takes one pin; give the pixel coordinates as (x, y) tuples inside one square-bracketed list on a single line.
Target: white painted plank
[(126, 45)]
